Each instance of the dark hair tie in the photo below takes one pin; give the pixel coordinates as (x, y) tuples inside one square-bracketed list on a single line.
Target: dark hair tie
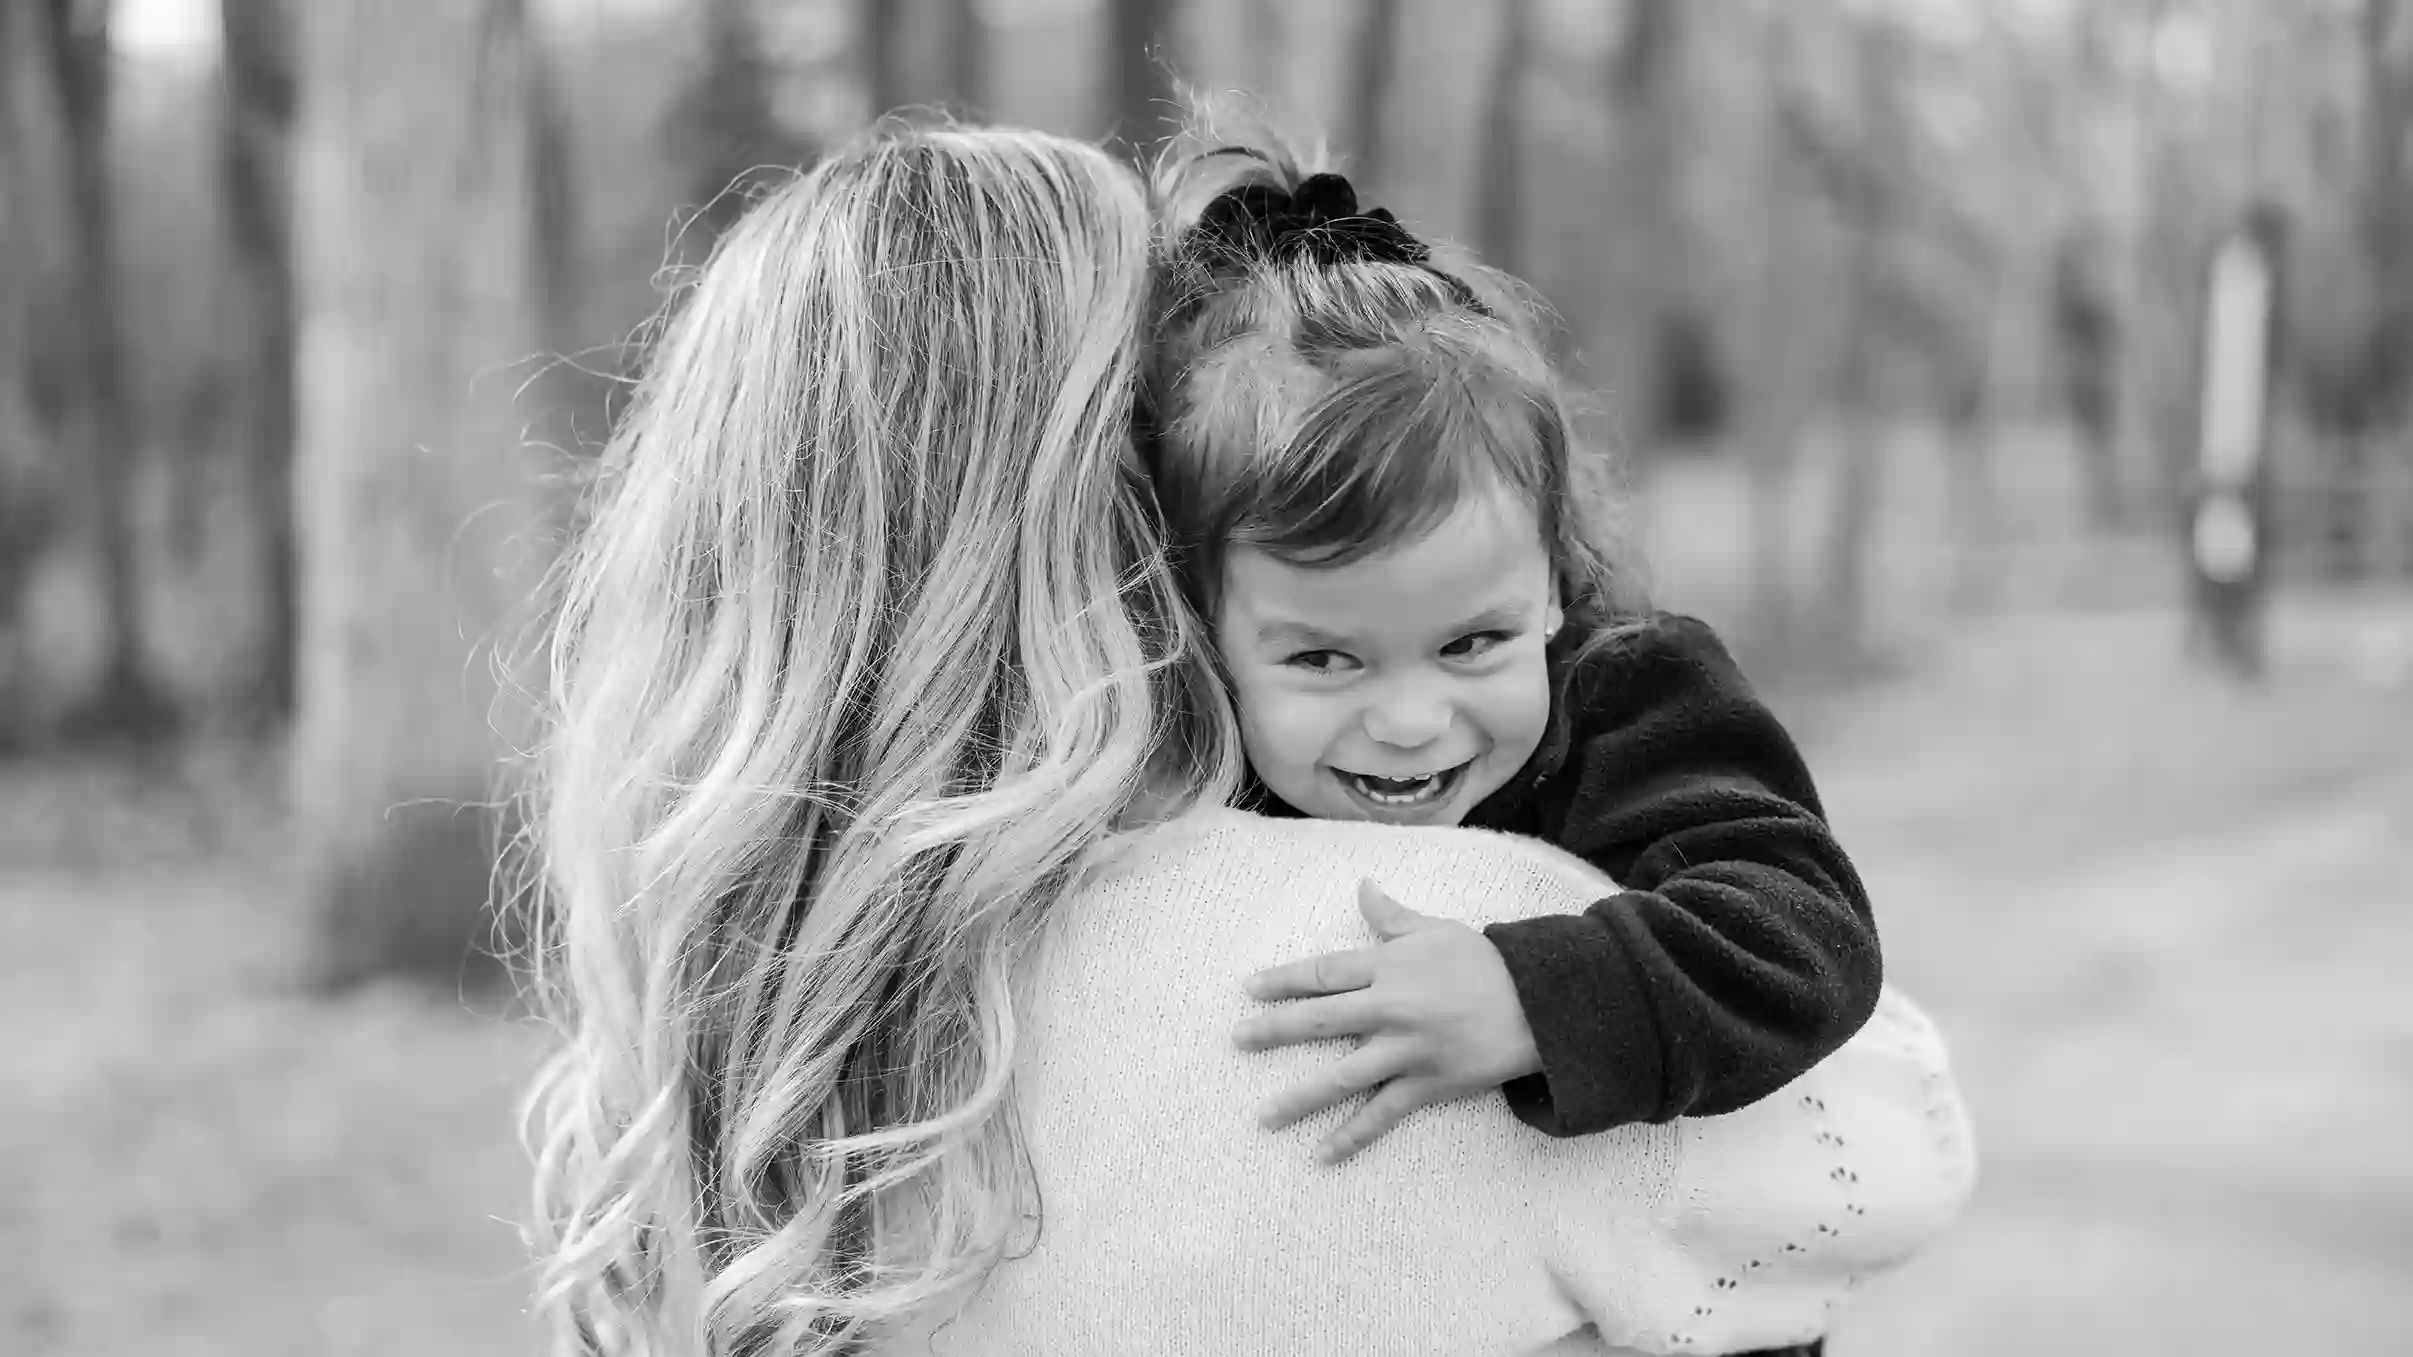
[(1319, 218)]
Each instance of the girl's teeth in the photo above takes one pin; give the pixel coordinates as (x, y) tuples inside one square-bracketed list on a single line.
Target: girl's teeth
[(1402, 791)]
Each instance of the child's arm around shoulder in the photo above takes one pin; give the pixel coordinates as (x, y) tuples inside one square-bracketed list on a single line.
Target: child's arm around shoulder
[(1740, 952)]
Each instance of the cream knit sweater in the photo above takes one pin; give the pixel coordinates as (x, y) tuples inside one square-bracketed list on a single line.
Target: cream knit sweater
[(1172, 1226)]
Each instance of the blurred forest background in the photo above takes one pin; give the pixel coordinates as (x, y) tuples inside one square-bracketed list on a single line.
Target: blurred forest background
[(1894, 309)]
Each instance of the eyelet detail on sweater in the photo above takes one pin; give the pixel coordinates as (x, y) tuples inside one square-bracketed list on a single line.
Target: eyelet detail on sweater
[(1814, 1240), (1841, 1173)]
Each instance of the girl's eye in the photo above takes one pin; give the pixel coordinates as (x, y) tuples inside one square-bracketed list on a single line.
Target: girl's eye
[(1475, 643), (1318, 661)]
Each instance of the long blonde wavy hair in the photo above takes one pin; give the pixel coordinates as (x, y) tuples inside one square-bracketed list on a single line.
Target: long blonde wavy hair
[(864, 647)]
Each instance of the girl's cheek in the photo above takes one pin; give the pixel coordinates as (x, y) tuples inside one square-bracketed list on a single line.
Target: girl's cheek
[(1308, 720), (1270, 698)]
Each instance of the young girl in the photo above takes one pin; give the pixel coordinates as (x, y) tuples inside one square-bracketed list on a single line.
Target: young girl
[(1371, 477)]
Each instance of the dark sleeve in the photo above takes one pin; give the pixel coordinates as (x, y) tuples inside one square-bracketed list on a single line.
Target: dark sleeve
[(1741, 950)]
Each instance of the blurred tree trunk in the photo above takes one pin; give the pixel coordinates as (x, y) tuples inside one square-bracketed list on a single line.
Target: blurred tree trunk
[(2079, 267), (36, 245), (1977, 439), (256, 132), (1261, 28), (419, 284), (1139, 88), (1370, 89), (125, 699), (1777, 400), (2384, 210), (967, 58), (1647, 255), (71, 467), (2385, 213), (2086, 340), (728, 131), (925, 53), (1865, 394), (2385, 217), (1500, 161), (882, 24), (2352, 382), (2155, 330)]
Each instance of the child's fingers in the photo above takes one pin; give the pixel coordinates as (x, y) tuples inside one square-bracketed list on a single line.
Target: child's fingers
[(1386, 916), (1389, 1106), (1320, 1019), (1331, 973), (1333, 1085)]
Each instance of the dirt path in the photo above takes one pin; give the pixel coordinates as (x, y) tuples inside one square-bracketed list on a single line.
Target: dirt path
[(196, 1161), (2169, 944)]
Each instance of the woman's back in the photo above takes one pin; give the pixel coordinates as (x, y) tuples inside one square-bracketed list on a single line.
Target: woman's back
[(864, 638), (1172, 1224)]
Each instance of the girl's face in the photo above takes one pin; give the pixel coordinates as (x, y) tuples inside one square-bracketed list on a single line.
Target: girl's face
[(1403, 687)]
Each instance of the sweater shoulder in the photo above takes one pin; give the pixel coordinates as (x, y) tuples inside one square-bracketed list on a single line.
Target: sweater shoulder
[(1297, 869)]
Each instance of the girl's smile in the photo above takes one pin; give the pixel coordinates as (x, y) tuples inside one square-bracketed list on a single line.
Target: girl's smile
[(1405, 800)]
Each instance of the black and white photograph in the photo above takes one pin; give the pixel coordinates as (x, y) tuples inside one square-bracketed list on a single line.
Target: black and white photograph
[(1206, 678)]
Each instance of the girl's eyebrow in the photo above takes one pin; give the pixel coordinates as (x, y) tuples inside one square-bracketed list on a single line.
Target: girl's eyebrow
[(1493, 618), (1301, 633), (1291, 632)]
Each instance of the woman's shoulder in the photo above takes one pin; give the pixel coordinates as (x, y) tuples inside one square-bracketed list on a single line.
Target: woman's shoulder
[(1479, 875), (1186, 908), (1213, 831)]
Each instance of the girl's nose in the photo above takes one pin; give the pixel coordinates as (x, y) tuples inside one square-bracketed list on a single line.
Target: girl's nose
[(1408, 716)]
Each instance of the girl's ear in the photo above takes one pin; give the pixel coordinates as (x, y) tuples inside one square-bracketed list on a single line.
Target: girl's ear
[(1555, 617)]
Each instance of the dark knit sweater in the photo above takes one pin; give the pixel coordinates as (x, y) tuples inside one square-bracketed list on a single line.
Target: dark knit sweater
[(1740, 951)]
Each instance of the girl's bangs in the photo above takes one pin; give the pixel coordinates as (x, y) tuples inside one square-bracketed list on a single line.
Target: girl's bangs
[(1390, 451)]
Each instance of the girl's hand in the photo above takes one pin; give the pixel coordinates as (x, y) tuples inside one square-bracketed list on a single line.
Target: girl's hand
[(1433, 1001)]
